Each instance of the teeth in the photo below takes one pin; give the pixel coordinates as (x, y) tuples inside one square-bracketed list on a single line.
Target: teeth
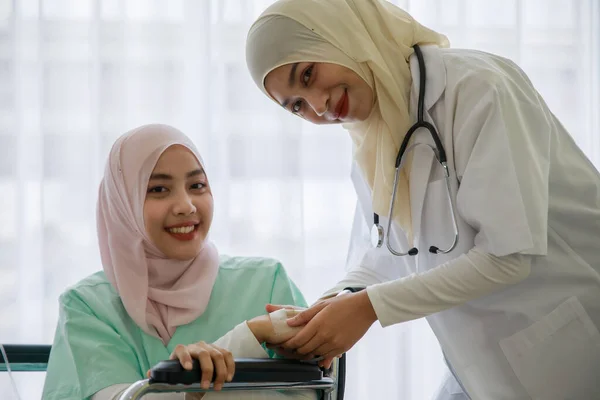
[(183, 229)]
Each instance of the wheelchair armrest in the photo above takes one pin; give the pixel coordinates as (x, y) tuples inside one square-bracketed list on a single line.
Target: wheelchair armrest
[(247, 370), (250, 374)]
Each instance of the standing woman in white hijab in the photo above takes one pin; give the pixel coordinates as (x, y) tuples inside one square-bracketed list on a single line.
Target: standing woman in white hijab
[(515, 302)]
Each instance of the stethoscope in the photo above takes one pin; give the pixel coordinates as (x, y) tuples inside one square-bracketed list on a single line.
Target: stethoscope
[(377, 233)]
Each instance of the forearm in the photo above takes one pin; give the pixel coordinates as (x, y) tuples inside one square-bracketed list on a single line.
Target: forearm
[(242, 343), (470, 276)]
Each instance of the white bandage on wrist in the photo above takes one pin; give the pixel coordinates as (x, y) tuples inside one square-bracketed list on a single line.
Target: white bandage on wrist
[(279, 322)]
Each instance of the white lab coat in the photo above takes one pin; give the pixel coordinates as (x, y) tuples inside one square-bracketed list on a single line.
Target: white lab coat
[(519, 185)]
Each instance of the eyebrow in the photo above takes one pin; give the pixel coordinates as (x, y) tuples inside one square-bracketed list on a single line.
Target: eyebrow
[(291, 82), (167, 177)]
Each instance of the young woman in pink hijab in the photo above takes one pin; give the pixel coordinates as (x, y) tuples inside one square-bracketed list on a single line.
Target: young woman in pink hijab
[(164, 292)]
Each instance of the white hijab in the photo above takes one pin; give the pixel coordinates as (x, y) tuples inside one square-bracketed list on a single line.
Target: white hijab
[(374, 39)]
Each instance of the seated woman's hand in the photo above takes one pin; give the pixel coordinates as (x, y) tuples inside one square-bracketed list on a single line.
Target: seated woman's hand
[(213, 359), (274, 332)]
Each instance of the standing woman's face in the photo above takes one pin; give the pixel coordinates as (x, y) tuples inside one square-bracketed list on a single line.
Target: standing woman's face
[(321, 93)]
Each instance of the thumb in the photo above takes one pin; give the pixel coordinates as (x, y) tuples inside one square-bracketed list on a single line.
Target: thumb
[(305, 316)]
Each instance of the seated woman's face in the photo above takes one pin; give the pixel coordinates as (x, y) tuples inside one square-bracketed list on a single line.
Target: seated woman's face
[(178, 210), (321, 93)]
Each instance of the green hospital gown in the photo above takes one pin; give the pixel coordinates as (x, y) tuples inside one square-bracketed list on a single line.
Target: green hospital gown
[(98, 345)]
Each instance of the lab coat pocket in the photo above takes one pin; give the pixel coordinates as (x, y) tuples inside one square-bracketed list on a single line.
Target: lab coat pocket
[(558, 357)]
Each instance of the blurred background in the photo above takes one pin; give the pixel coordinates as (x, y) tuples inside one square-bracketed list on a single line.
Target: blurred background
[(74, 75)]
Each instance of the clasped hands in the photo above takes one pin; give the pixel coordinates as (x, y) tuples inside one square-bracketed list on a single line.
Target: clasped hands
[(330, 327)]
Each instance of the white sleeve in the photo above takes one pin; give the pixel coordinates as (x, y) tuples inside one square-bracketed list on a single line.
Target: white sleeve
[(455, 282), (242, 343)]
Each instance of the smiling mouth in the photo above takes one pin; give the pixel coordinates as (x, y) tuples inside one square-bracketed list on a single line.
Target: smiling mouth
[(182, 229), (341, 109), (184, 233)]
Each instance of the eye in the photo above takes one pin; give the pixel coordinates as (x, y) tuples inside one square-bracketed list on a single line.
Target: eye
[(297, 106), (157, 189), (198, 186), (306, 75)]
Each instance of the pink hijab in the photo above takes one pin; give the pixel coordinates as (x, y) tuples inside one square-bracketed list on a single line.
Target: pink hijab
[(158, 293)]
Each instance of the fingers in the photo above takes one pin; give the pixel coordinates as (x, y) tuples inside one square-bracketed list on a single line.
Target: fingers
[(305, 316), (301, 338), (200, 351), (182, 354), (230, 364), (326, 349), (221, 373), (214, 361), (316, 345)]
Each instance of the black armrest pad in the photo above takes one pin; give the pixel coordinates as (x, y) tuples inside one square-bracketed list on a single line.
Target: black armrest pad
[(248, 370), (26, 353)]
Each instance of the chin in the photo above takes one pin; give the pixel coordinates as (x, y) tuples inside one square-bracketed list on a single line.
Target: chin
[(184, 254)]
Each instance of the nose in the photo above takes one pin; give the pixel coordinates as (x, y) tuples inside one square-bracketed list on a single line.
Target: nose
[(184, 205), (319, 102)]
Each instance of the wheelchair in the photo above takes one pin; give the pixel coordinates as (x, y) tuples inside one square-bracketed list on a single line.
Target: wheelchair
[(168, 376)]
